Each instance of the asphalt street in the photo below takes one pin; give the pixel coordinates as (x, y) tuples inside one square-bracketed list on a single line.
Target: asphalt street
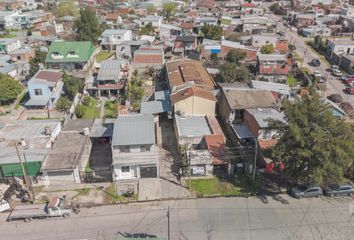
[(280, 217), (306, 53)]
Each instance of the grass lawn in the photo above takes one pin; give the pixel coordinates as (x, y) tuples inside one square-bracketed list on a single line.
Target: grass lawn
[(291, 80), (238, 186), (111, 109), (112, 196), (91, 110), (10, 35), (103, 56)]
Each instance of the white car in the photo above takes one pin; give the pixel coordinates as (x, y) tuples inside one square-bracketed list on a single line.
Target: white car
[(317, 74), (337, 73)]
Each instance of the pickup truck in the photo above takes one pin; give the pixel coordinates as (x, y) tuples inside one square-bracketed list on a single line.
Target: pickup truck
[(54, 208)]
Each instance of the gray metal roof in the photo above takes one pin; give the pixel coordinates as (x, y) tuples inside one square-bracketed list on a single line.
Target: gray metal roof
[(109, 70), (161, 103), (102, 128), (271, 57), (192, 126), (263, 115), (242, 131), (133, 130), (114, 32), (275, 87)]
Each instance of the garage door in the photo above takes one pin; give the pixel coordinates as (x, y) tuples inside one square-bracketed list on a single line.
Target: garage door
[(61, 178), (148, 172)]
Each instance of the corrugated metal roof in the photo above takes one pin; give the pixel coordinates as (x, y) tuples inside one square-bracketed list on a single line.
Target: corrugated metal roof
[(192, 126), (133, 130), (102, 129), (109, 70), (262, 116)]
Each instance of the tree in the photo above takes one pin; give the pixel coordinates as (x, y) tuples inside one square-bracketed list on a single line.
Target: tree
[(150, 8), (235, 56), (63, 104), (314, 145), (87, 26), (169, 9), (9, 89), (148, 30), (275, 8), (72, 85), (236, 36), (66, 8), (39, 58), (232, 72), (135, 91), (111, 5), (267, 49), (213, 32), (80, 111)]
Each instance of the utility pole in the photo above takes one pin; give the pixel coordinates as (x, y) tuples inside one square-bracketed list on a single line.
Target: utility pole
[(21, 162), (168, 224), (255, 159)]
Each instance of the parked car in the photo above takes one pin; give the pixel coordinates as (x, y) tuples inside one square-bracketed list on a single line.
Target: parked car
[(349, 90), (346, 77), (336, 98), (333, 67), (332, 190), (317, 74), (315, 62), (347, 107), (348, 81), (337, 73), (303, 191)]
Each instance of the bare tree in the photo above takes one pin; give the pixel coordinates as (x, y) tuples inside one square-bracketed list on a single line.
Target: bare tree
[(210, 227)]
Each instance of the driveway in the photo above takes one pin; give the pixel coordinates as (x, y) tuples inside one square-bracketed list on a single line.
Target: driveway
[(334, 85), (226, 218)]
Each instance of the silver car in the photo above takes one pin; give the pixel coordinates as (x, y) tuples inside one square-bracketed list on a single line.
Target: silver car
[(304, 191)]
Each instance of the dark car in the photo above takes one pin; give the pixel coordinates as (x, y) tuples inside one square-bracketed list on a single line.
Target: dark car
[(332, 190), (349, 90), (304, 191), (336, 98), (315, 62)]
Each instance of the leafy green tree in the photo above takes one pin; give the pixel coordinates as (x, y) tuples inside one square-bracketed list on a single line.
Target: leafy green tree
[(148, 30), (169, 9), (275, 8), (314, 145), (63, 104), (267, 49), (236, 36), (150, 8), (66, 8), (39, 58), (213, 32), (72, 85), (87, 26), (235, 56), (233, 72), (80, 111), (135, 91), (9, 89)]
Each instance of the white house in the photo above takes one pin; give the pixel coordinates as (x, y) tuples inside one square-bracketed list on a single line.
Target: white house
[(9, 44), (7, 19), (110, 38), (156, 21), (134, 151)]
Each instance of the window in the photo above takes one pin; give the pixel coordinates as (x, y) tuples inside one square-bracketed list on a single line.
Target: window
[(125, 169), (38, 92), (145, 148), (125, 149), (266, 135)]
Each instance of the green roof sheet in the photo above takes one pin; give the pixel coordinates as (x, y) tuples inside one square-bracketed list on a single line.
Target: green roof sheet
[(69, 51)]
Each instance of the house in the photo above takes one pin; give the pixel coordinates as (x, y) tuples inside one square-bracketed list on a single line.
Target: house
[(7, 19), (7, 66), (304, 20), (12, 4), (206, 5), (194, 101), (73, 56), (169, 32), (226, 46), (69, 156), (23, 54), (160, 104), (312, 31), (126, 49), (110, 38), (200, 163), (273, 67), (282, 90), (210, 47), (34, 139), (134, 150), (258, 120), (8, 45), (220, 155), (185, 72), (185, 44), (110, 80), (256, 24), (232, 103), (44, 88), (339, 46), (149, 55), (156, 21), (113, 19)]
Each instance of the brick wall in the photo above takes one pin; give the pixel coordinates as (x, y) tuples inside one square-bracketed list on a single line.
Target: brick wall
[(156, 59), (277, 69)]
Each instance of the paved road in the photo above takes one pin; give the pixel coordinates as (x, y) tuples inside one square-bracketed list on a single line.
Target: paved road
[(334, 85), (235, 218)]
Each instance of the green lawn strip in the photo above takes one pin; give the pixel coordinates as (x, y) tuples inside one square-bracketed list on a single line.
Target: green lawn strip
[(216, 187), (20, 99), (92, 111), (291, 80), (103, 56), (320, 56), (82, 191)]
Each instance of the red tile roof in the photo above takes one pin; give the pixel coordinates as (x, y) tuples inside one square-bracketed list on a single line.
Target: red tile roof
[(187, 25), (265, 144), (248, 5), (192, 91), (217, 148), (215, 126)]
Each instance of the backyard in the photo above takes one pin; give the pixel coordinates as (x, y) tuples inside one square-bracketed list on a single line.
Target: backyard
[(111, 109), (236, 186), (103, 56), (88, 109)]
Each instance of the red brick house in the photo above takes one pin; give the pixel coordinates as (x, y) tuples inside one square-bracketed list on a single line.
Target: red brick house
[(272, 66)]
